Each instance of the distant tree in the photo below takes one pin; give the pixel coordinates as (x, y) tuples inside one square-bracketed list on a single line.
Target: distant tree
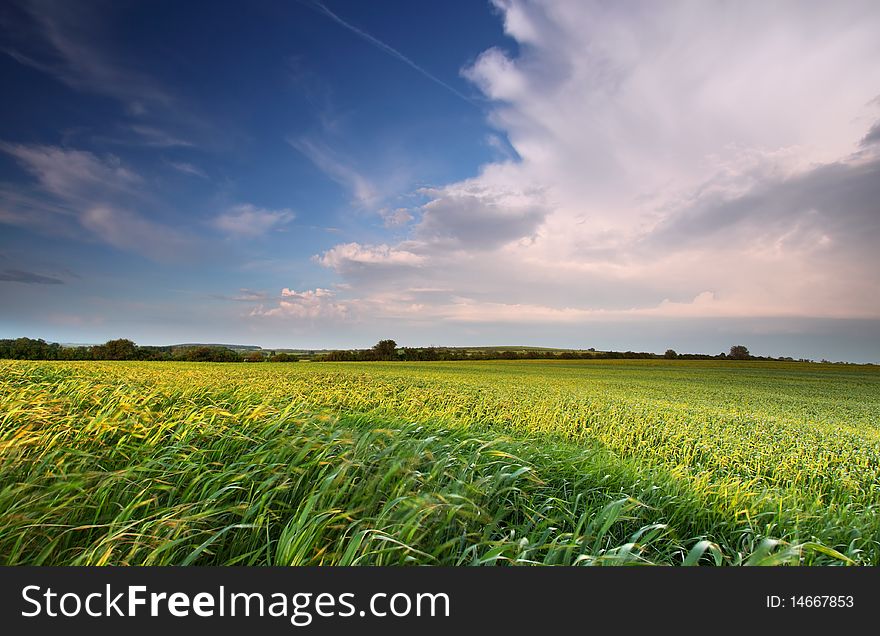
[(385, 349), (29, 349), (739, 352), (338, 356), (153, 353), (120, 349), (670, 354), (254, 356), (75, 353), (206, 354), (283, 357)]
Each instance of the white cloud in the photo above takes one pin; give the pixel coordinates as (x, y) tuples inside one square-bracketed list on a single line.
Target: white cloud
[(348, 256), (247, 220), (674, 160), (472, 216), (395, 218), (308, 294), (310, 304)]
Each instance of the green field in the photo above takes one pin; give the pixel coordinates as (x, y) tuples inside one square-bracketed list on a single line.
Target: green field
[(456, 463)]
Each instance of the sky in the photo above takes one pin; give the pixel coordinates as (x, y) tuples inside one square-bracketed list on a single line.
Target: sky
[(617, 175)]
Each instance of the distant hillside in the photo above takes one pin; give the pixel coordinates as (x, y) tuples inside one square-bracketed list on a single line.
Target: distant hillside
[(234, 347), (511, 348)]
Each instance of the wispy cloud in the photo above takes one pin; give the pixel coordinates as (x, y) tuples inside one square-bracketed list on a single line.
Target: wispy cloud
[(188, 168), (72, 174), (59, 39), (127, 230), (385, 48), (99, 192), (158, 138), (244, 295), (318, 93), (248, 220), (341, 171), (22, 207), (28, 278)]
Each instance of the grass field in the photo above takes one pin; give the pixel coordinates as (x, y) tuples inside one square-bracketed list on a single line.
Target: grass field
[(582, 462)]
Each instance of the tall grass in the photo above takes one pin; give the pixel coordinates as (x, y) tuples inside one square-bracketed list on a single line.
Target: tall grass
[(156, 464)]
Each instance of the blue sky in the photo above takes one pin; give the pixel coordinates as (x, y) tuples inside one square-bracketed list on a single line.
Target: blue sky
[(576, 174)]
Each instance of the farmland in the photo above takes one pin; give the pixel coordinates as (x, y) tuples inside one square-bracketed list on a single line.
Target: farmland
[(481, 463)]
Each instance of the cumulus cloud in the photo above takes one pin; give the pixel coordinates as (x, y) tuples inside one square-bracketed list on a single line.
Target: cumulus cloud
[(345, 305), (247, 220), (308, 294), (395, 218), (310, 304), (473, 218), (803, 211), (352, 256), (873, 136), (671, 160)]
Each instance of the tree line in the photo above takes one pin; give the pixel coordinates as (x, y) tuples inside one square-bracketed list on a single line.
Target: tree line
[(387, 350), (384, 350), (439, 354), (124, 349)]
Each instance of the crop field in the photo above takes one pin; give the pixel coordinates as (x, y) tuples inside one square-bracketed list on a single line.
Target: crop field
[(448, 463)]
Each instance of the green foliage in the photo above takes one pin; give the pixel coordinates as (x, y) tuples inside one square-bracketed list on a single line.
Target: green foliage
[(29, 349), (385, 349), (120, 349), (481, 463), (207, 354), (283, 357), (739, 352)]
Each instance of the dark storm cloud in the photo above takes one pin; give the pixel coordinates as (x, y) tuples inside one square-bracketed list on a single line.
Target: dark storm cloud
[(873, 135), (476, 222), (839, 200)]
